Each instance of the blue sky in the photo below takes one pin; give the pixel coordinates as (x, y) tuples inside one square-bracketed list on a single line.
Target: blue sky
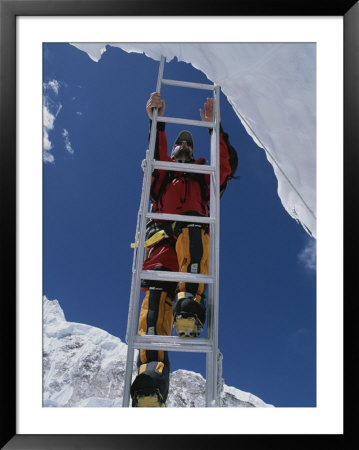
[(92, 179)]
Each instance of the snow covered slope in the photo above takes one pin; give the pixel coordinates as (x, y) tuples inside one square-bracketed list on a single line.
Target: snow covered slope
[(84, 366), (272, 88)]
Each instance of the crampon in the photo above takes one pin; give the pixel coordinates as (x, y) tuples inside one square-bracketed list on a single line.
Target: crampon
[(148, 398), (187, 325)]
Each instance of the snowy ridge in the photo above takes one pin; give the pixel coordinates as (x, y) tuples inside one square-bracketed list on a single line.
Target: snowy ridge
[(272, 89), (84, 366)]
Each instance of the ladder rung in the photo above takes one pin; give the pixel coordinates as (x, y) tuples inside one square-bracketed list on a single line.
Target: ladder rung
[(209, 87), (180, 218), (195, 123), (173, 343), (195, 168), (164, 275)]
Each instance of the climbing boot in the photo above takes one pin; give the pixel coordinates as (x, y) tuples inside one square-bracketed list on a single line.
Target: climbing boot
[(188, 326), (189, 315), (148, 398)]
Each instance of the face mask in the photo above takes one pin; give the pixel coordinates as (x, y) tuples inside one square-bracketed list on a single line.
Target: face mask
[(182, 154)]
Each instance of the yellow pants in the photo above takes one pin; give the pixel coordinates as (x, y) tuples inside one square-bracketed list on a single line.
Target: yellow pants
[(156, 317), (192, 248)]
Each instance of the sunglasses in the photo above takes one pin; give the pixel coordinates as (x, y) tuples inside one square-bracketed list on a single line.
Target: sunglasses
[(189, 143)]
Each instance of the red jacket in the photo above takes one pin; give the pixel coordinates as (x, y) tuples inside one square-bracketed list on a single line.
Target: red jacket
[(181, 193)]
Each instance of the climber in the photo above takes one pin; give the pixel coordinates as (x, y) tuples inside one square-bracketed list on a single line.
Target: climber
[(175, 246)]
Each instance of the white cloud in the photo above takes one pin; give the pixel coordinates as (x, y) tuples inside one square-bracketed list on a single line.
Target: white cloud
[(54, 85), (48, 157), (51, 110), (48, 124), (48, 118), (68, 145), (308, 256)]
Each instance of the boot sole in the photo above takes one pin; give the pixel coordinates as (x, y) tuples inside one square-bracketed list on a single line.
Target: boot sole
[(149, 401), (187, 327)]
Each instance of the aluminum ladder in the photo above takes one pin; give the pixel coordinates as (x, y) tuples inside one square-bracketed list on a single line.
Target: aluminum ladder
[(209, 344)]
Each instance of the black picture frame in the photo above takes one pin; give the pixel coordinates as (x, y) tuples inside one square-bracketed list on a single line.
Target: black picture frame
[(9, 10)]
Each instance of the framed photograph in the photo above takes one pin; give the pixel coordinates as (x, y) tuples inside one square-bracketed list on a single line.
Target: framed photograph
[(53, 71)]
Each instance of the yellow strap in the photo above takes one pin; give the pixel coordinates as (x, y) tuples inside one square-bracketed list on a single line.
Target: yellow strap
[(155, 238), (152, 240)]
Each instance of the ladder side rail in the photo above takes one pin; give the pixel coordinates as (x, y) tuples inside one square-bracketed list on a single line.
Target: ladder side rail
[(211, 360), (145, 194), (136, 280), (130, 309), (210, 375), (131, 313), (216, 244), (209, 394), (135, 257)]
